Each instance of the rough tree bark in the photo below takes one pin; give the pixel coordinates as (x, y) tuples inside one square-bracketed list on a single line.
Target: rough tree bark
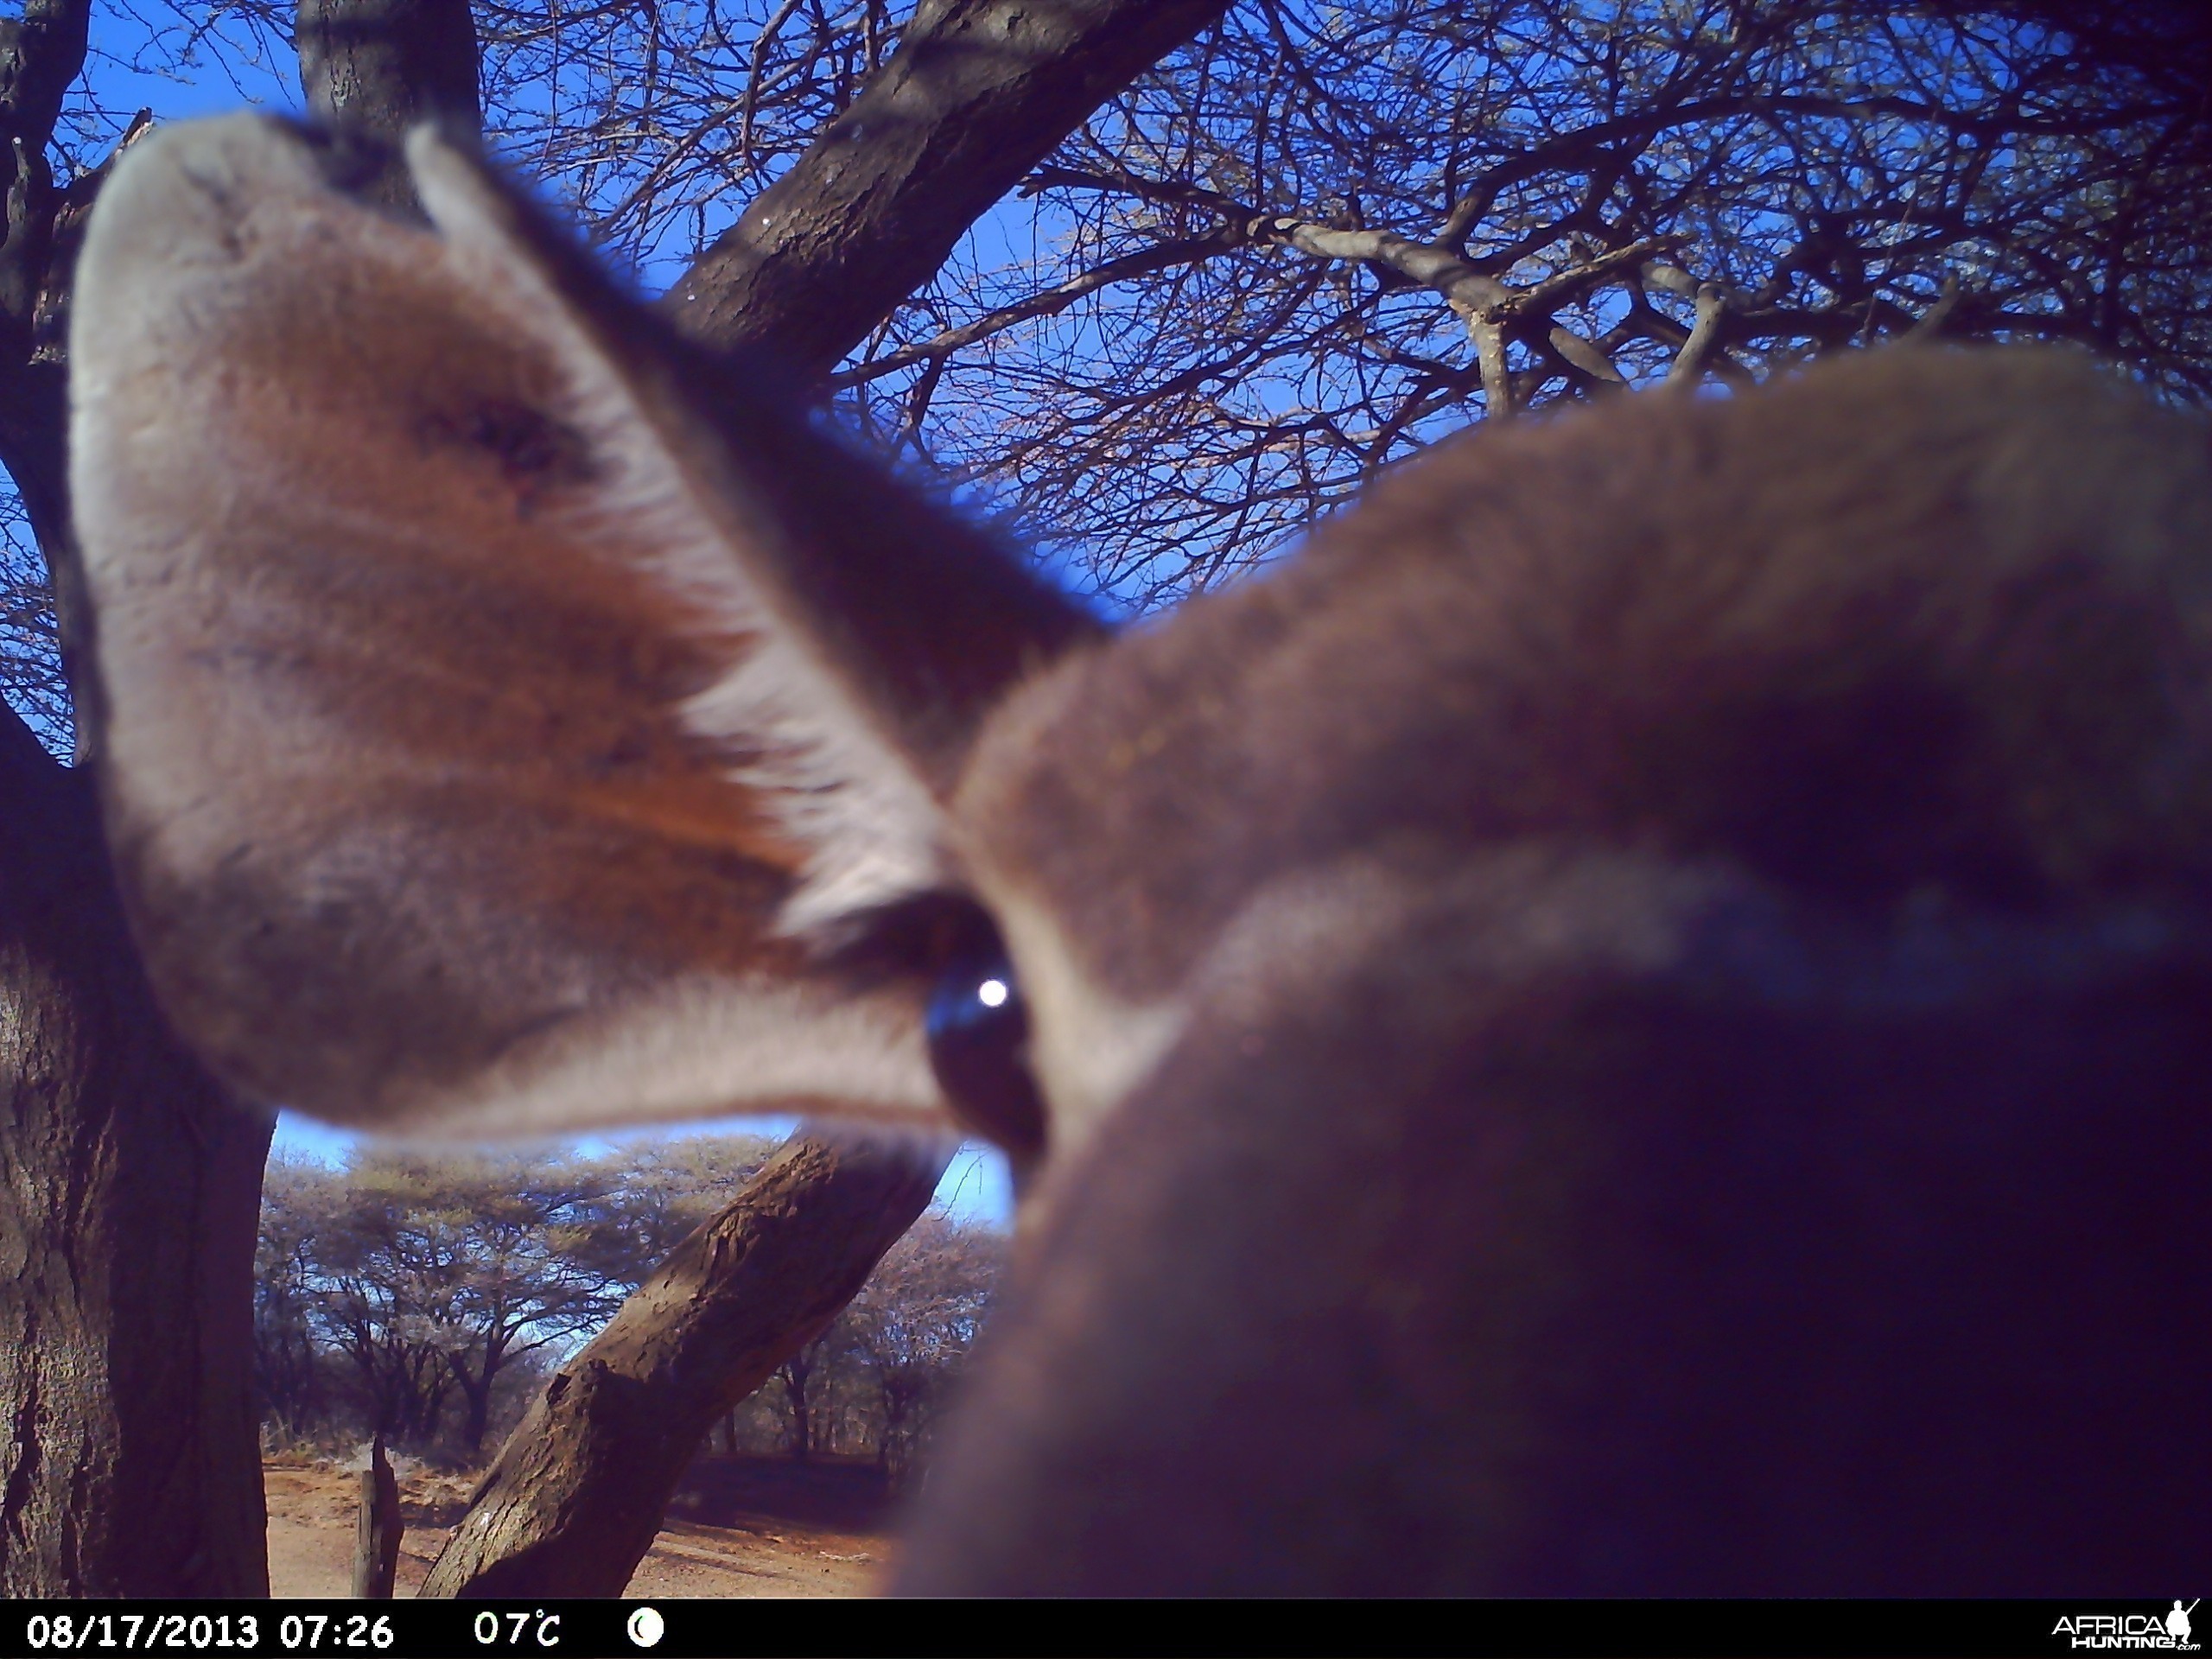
[(128, 1185), (378, 1527), (385, 65), (575, 1495), (381, 67), (978, 92)]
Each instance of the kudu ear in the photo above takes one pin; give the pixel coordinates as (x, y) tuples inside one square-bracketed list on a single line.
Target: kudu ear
[(496, 720)]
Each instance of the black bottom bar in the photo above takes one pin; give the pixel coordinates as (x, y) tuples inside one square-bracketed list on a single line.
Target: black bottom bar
[(679, 1628)]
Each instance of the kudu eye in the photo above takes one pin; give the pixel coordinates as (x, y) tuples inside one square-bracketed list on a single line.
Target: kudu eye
[(978, 1040)]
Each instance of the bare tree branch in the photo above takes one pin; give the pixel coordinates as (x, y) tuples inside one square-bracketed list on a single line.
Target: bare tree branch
[(1045, 303), (980, 89)]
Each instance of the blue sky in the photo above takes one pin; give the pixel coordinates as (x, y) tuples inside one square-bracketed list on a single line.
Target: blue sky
[(976, 1188)]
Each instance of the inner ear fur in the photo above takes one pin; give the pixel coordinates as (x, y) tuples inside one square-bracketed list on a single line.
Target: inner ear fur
[(491, 697)]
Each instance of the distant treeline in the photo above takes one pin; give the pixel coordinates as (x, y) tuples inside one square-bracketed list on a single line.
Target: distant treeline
[(431, 1294)]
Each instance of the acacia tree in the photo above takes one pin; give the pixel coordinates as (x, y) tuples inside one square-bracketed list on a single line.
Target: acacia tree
[(386, 1290), (405, 1282), (912, 1325), (435, 1275), (1320, 238), (796, 1374), (1343, 232), (875, 1377), (290, 1380)]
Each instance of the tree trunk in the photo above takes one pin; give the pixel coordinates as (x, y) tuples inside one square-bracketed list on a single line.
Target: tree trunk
[(378, 1528), (476, 1419), (795, 1371), (575, 1495), (128, 1186), (128, 1195), (381, 67), (476, 1399)]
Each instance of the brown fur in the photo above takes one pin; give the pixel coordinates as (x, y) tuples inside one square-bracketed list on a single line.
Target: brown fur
[(1728, 991), (1633, 1020), (1921, 618)]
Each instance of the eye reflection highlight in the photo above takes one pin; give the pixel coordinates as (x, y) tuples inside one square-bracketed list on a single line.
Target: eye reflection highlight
[(979, 1042)]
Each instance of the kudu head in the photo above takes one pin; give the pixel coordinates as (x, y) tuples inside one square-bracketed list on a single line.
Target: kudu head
[(1636, 1019)]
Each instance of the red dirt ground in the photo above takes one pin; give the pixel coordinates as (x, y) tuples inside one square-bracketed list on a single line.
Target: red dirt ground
[(738, 1527)]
